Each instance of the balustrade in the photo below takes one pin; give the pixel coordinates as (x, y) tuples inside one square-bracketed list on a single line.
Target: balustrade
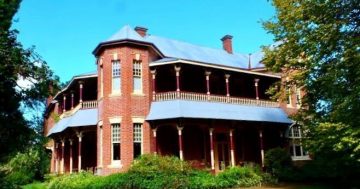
[(213, 98)]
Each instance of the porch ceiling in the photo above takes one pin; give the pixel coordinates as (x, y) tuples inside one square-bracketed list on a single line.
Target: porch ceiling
[(212, 110), (82, 118)]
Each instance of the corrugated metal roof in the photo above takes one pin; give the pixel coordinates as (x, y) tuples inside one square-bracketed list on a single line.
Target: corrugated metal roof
[(210, 110), (82, 118), (183, 50)]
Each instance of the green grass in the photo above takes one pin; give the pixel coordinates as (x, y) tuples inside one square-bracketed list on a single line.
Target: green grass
[(35, 185)]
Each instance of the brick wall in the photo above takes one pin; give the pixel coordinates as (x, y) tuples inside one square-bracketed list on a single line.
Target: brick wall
[(126, 106)]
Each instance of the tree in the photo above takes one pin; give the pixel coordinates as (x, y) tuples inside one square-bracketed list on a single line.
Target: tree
[(318, 47), (19, 66)]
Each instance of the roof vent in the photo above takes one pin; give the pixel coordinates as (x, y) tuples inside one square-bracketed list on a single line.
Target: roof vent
[(227, 43), (141, 30)]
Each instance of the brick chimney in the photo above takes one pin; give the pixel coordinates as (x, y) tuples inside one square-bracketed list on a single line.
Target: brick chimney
[(227, 43), (141, 30)]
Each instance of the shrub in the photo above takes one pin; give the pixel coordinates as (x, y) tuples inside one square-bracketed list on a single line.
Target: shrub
[(239, 176), (74, 181), (26, 166), (278, 163), (152, 171)]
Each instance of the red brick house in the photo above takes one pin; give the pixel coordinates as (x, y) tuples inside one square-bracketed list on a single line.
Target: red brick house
[(156, 95)]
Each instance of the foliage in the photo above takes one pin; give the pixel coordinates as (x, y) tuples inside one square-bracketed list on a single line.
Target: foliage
[(24, 81), (318, 48), (26, 166), (278, 162), (151, 171)]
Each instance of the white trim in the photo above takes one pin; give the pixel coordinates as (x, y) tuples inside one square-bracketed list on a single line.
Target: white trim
[(300, 158), (212, 66), (116, 119), (138, 119)]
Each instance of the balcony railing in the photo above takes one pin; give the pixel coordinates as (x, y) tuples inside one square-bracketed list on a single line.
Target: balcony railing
[(83, 105), (213, 98)]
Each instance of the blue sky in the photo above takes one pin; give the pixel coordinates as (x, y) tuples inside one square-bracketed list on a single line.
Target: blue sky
[(65, 32)]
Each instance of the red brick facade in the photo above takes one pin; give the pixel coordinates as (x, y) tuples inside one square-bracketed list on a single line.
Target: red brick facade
[(230, 140)]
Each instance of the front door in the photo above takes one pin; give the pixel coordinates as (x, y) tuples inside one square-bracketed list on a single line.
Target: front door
[(222, 152)]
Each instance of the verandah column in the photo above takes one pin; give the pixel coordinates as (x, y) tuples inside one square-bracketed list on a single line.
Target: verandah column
[(257, 88), (154, 141), (262, 148), (81, 91), (64, 103), (177, 70), (232, 154), (181, 155), (62, 155), (56, 149), (153, 73), (79, 135), (212, 159), (227, 76), (71, 155), (207, 77), (72, 99)]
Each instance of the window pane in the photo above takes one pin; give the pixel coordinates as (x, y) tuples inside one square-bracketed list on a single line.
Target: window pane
[(137, 150), (137, 76), (137, 84), (116, 151), (297, 150), (115, 133), (116, 75)]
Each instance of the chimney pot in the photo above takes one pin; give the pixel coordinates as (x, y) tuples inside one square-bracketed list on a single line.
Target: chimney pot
[(141, 30), (227, 43)]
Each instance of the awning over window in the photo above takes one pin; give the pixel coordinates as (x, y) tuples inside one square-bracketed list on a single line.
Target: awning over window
[(209, 110), (82, 118)]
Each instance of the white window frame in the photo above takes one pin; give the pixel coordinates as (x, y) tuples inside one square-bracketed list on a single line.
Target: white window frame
[(141, 140), (115, 75), (296, 141), (137, 73), (288, 96), (115, 163)]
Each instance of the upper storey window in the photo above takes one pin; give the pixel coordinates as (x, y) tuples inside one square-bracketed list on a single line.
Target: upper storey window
[(116, 76), (137, 77)]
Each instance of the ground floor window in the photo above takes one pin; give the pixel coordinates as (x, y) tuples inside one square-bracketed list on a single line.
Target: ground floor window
[(296, 149), (137, 139), (115, 138)]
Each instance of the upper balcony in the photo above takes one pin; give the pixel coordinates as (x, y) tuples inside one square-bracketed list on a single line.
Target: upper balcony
[(83, 105), (213, 98), (196, 83)]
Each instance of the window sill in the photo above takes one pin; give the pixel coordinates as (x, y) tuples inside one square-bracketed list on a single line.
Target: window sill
[(114, 94), (137, 94), (115, 165), (300, 158)]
